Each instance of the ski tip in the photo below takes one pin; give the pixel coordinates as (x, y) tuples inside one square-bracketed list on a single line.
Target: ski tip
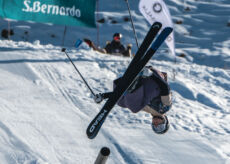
[(161, 38), (157, 25), (90, 135), (170, 29), (93, 129), (96, 123)]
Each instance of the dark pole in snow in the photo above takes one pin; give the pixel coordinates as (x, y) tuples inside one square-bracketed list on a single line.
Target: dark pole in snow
[(8, 30), (135, 35), (102, 156), (97, 3), (63, 38), (64, 50)]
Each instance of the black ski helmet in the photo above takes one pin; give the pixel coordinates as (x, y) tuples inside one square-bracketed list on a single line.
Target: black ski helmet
[(161, 128), (117, 35)]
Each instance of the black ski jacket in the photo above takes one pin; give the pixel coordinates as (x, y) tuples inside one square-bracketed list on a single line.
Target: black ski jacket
[(116, 48)]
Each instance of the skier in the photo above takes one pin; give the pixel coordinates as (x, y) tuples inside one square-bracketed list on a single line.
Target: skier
[(115, 47), (150, 92)]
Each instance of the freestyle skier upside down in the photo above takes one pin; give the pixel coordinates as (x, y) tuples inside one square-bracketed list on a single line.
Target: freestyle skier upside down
[(150, 92)]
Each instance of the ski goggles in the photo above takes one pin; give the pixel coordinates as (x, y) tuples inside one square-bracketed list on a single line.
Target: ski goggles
[(117, 38), (160, 127)]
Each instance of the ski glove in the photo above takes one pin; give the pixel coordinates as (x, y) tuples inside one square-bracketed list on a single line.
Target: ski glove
[(166, 100), (98, 98), (166, 103), (161, 104)]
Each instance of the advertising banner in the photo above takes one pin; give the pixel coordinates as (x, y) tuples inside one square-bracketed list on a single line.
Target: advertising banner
[(64, 12), (157, 11)]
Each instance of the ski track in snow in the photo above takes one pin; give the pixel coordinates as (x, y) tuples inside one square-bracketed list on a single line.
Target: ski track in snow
[(19, 151)]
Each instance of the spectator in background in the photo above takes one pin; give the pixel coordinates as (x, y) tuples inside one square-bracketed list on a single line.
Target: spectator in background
[(115, 47)]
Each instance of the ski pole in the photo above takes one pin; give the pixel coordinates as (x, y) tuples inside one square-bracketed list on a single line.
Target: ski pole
[(134, 31), (63, 38), (64, 50), (102, 156)]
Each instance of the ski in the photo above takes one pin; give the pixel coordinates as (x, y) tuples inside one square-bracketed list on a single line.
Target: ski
[(152, 33), (127, 80)]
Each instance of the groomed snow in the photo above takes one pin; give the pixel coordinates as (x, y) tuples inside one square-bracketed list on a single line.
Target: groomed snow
[(45, 107)]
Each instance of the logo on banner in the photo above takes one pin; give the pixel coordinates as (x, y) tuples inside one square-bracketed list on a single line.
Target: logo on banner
[(157, 8), (38, 7)]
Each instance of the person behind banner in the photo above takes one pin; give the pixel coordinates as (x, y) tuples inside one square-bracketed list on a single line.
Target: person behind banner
[(150, 93), (115, 47)]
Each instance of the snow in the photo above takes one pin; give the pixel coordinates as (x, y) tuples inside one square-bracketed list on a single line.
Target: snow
[(45, 107)]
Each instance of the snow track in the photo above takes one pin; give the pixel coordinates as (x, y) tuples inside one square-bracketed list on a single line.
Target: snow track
[(55, 80)]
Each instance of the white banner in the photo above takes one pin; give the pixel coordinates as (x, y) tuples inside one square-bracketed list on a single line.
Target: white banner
[(157, 11)]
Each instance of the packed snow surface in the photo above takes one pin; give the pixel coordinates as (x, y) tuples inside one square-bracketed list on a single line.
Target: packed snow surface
[(45, 107)]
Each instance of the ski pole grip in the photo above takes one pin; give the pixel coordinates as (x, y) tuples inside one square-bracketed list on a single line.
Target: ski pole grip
[(102, 156)]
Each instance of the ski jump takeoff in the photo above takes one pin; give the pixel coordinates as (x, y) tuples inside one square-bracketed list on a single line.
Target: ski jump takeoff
[(141, 88)]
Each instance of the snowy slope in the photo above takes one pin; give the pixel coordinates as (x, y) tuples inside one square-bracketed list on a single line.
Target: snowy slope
[(45, 107)]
